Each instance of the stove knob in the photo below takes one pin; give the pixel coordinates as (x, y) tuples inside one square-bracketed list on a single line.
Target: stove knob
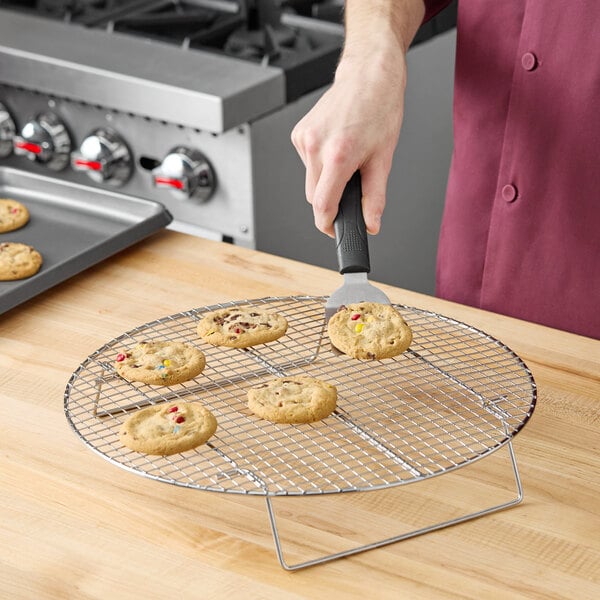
[(7, 131), (105, 157), (187, 173), (45, 140)]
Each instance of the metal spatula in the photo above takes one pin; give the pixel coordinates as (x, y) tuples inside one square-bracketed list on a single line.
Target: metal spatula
[(352, 253)]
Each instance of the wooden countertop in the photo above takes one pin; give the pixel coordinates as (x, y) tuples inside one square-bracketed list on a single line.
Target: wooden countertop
[(75, 526)]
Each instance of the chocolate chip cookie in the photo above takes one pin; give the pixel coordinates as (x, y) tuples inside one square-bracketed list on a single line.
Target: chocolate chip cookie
[(13, 215), (369, 330), (18, 261), (292, 400), (168, 428), (241, 327), (160, 363)]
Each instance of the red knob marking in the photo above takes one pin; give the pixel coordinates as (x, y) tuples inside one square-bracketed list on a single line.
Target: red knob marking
[(28, 146), (169, 182), (92, 165)]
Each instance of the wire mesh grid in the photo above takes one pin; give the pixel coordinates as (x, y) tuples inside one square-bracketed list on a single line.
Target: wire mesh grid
[(455, 396)]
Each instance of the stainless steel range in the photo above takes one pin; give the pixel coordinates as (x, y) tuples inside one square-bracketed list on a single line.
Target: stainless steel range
[(160, 98), (190, 103)]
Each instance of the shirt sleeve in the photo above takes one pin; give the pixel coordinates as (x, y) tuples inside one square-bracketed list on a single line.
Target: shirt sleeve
[(433, 7)]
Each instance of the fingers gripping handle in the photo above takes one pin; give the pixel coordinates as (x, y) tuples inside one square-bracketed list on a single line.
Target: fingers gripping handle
[(350, 230)]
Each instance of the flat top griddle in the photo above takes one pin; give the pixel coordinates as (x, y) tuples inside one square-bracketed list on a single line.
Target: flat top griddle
[(72, 226)]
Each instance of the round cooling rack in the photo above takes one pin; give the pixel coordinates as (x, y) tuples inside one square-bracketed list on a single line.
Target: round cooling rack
[(454, 397)]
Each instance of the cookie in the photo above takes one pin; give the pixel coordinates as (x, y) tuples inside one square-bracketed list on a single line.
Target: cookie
[(369, 330), (168, 428), (13, 215), (160, 363), (238, 327), (292, 400), (18, 261)]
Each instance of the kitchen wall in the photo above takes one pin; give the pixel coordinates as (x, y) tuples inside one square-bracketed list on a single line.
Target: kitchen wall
[(404, 252)]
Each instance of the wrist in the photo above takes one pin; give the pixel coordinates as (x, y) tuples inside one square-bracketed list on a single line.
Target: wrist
[(382, 25), (385, 63)]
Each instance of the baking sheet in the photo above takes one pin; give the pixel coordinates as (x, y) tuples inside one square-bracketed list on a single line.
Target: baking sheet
[(73, 227)]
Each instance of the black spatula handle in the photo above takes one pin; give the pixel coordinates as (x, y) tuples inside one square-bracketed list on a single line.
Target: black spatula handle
[(350, 230)]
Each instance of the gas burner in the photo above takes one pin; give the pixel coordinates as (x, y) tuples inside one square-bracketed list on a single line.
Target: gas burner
[(325, 10), (254, 30), (278, 33), (267, 43), (66, 10), (264, 37), (176, 22)]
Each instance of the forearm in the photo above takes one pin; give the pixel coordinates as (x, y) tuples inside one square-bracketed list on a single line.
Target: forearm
[(381, 25), (378, 34), (356, 123)]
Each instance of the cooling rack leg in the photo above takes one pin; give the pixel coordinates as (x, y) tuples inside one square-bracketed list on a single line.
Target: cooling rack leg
[(327, 558), (99, 382)]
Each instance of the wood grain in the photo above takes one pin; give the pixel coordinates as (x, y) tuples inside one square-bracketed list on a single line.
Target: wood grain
[(75, 526)]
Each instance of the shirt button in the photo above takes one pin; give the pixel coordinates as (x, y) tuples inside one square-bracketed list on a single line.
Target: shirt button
[(529, 61), (509, 192)]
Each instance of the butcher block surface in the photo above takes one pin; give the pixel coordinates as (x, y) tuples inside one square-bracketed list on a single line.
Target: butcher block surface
[(76, 526)]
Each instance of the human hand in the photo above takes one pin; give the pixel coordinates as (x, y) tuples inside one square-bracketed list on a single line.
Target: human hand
[(354, 126)]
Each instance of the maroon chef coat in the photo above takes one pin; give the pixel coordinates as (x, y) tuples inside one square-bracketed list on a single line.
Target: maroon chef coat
[(520, 233)]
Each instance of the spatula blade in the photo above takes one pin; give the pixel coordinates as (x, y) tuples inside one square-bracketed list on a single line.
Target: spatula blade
[(356, 288)]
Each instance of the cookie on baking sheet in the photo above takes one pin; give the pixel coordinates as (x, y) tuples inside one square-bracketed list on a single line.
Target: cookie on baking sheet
[(13, 215), (241, 327), (292, 400), (168, 428), (18, 261), (369, 330), (160, 363)]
